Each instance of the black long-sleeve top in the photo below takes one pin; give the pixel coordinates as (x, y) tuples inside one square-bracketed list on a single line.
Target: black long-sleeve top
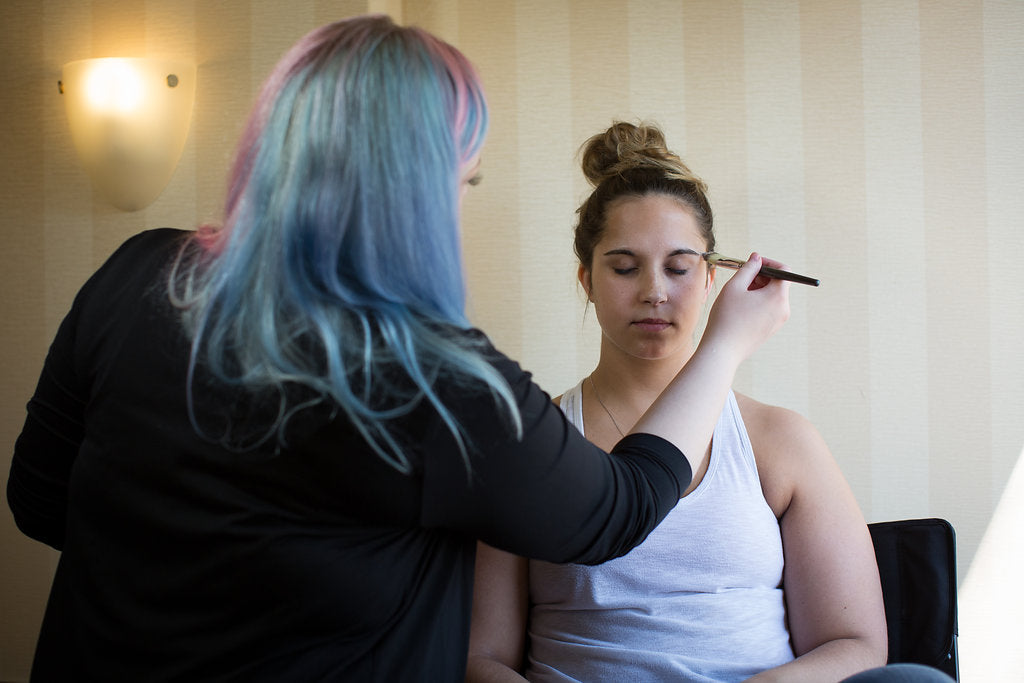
[(184, 560)]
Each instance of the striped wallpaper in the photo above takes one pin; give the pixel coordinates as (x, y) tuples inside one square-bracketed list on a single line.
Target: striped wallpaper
[(878, 145)]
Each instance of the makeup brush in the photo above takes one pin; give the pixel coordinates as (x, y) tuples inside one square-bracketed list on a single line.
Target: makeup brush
[(716, 259)]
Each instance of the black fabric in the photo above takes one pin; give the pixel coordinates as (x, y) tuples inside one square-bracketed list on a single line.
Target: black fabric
[(184, 561), (917, 565)]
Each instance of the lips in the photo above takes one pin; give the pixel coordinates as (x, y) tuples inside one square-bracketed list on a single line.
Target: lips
[(652, 324)]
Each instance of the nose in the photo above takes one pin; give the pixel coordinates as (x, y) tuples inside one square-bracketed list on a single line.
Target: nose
[(656, 291)]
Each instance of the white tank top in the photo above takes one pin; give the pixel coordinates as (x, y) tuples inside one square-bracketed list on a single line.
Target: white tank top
[(699, 600)]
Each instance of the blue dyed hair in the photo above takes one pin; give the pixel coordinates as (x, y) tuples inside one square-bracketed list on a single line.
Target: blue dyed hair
[(339, 265)]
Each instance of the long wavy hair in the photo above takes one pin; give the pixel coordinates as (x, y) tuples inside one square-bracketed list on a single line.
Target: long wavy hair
[(338, 268)]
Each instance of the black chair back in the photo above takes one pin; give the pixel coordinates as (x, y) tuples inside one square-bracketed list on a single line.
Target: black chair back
[(917, 565)]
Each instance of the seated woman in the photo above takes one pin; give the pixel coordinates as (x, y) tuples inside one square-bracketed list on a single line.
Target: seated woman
[(765, 569)]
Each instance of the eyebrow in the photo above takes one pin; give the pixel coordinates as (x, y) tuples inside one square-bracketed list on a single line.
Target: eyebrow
[(677, 252)]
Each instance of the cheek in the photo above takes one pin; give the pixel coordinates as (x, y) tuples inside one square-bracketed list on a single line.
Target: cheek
[(610, 291), (695, 291), (610, 303)]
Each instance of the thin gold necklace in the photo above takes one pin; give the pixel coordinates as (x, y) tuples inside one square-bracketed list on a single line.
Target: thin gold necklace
[(597, 395)]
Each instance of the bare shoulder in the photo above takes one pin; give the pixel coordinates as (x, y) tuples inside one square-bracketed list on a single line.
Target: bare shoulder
[(787, 448), (557, 400), (774, 425)]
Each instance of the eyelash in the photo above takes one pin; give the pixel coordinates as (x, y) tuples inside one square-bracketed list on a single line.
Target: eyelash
[(627, 271)]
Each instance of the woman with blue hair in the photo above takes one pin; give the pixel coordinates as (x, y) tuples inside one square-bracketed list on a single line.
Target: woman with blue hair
[(266, 451)]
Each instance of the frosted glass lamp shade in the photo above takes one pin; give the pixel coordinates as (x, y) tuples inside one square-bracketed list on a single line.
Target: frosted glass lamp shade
[(129, 119)]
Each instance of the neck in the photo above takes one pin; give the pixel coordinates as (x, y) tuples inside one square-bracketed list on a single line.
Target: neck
[(629, 385), (638, 374)]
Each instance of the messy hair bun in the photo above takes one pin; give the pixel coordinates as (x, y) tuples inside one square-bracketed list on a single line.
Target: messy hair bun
[(629, 160), (625, 146)]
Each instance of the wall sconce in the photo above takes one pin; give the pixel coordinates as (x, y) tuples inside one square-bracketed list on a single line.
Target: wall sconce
[(129, 119)]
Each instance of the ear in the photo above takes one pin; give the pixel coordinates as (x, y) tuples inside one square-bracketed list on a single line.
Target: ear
[(583, 275)]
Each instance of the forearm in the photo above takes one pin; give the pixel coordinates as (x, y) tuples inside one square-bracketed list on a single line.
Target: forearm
[(831, 661), (688, 409)]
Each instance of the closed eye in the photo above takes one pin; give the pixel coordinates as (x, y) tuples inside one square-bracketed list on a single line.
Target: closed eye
[(625, 271)]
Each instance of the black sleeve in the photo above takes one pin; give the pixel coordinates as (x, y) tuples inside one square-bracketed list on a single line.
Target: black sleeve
[(45, 451), (37, 490), (551, 495)]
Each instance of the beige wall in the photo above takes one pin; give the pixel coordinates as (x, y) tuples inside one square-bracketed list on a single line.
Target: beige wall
[(877, 145)]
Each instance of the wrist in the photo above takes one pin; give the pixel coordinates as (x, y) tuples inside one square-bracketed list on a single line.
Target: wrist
[(720, 351)]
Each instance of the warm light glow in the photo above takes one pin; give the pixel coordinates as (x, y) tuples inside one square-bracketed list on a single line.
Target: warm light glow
[(129, 120), (113, 86)]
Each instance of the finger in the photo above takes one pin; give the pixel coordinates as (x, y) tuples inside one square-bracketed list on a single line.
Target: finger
[(747, 272), (760, 280), (772, 263)]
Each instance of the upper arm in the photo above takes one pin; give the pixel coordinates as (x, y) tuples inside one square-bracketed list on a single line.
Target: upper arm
[(46, 448), (830, 577), (497, 635)]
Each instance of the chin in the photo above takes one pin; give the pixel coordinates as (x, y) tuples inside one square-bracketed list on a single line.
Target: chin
[(655, 354)]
